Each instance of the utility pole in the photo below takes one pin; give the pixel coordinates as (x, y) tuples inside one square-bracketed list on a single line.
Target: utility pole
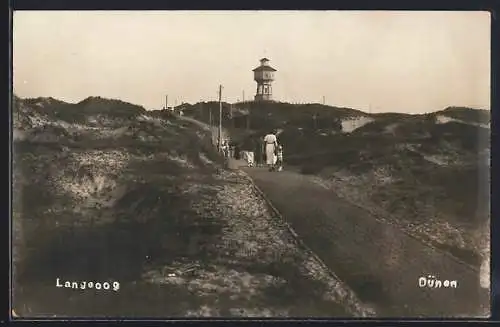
[(243, 96), (210, 116), (166, 101), (323, 100), (220, 118), (231, 114)]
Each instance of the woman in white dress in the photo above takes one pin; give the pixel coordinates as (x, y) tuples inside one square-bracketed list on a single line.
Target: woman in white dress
[(270, 144)]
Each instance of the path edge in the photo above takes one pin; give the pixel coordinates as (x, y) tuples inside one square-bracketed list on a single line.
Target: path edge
[(354, 304)]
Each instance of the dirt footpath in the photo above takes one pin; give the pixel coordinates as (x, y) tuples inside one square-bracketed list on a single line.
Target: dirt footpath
[(378, 261)]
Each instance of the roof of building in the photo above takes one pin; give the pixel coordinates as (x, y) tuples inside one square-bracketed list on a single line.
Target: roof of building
[(265, 68), (264, 59)]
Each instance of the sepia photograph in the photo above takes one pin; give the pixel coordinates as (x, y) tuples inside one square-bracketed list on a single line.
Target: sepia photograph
[(236, 164)]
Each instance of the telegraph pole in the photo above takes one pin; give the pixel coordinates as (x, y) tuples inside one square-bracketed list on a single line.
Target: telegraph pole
[(231, 114), (323, 100), (220, 118), (210, 116), (166, 101)]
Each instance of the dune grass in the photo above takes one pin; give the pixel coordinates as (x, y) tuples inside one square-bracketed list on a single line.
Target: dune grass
[(147, 203)]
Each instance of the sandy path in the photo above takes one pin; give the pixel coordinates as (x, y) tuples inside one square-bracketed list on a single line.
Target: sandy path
[(377, 260)]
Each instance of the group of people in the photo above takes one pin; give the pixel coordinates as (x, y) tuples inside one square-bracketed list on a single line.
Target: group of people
[(268, 147), (273, 152), (227, 150)]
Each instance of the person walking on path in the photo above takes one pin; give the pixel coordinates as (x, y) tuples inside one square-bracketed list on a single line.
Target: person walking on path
[(279, 157), (270, 143), (225, 151), (231, 149)]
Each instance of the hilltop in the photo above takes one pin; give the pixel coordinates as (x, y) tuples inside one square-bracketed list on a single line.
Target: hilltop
[(322, 120), (88, 110)]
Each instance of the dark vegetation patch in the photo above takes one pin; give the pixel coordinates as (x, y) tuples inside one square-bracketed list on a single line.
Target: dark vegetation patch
[(467, 114), (266, 116), (150, 223)]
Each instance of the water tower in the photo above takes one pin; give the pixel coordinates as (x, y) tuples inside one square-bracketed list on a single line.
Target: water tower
[(264, 76)]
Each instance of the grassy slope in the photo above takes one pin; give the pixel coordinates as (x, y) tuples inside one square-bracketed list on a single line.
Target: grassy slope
[(133, 198), (431, 179)]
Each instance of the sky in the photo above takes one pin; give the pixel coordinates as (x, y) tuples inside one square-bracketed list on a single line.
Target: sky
[(375, 61)]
